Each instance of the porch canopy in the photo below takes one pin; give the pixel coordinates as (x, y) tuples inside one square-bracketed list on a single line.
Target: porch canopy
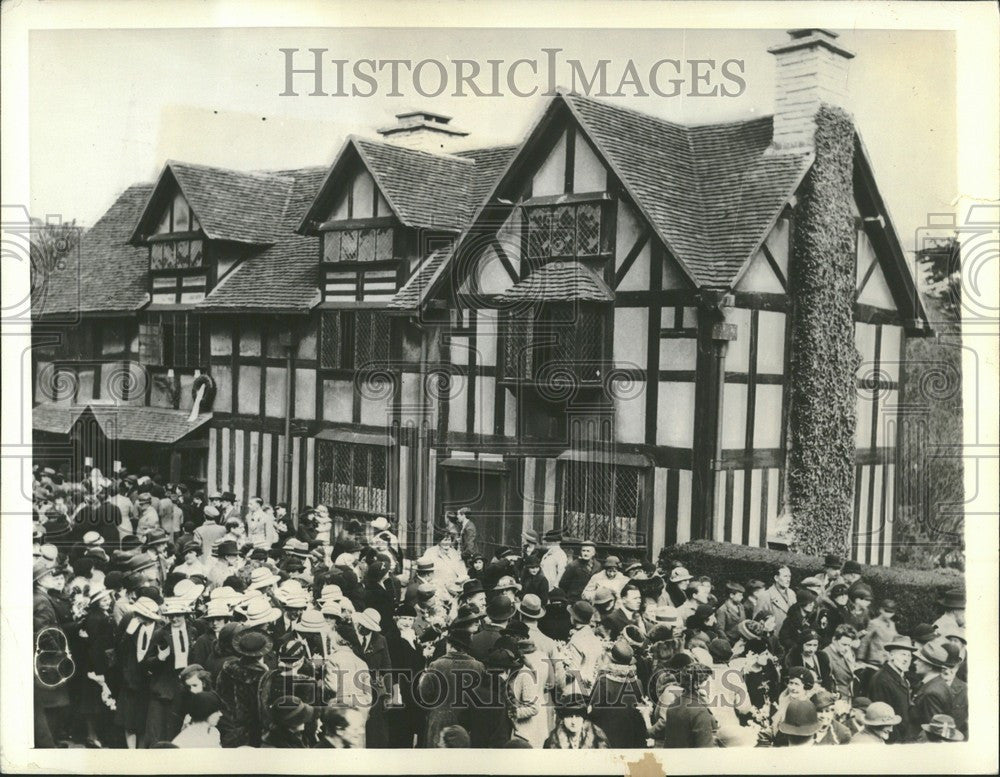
[(120, 422)]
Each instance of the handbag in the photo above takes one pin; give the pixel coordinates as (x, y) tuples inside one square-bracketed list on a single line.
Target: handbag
[(53, 663)]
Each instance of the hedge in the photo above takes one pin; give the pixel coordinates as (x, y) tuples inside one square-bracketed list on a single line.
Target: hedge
[(915, 591)]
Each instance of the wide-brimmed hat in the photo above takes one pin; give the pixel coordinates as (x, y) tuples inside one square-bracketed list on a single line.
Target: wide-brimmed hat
[(467, 613), (472, 587), (39, 569), (290, 649), (953, 599), (529, 536), (227, 548), (426, 592), (262, 577), (851, 567), (288, 590), (381, 523), (879, 713), (218, 609), (581, 612), (295, 547), (175, 605), (679, 575), (531, 607), (425, 566), (97, 593), (924, 632), (93, 538), (369, 618), (934, 655), (631, 565), (749, 629), (943, 727), (800, 719), (139, 562), (191, 546), (901, 643), (832, 560), (259, 611), (506, 583), (504, 655), (188, 589), (955, 632), (332, 607), (156, 537), (251, 644), (295, 601), (227, 594), (146, 608), (500, 608), (603, 595), (612, 562), (813, 584), (823, 699), (553, 535), (311, 622)]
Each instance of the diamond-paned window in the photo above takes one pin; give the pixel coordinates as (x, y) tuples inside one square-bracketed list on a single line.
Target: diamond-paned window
[(352, 477), (601, 502), (564, 230)]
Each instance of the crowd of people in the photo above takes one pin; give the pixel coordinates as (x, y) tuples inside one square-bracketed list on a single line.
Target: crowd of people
[(165, 618)]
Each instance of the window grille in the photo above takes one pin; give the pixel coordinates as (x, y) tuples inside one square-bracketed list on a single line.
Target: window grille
[(601, 502), (564, 230), (352, 477), (330, 341), (358, 245)]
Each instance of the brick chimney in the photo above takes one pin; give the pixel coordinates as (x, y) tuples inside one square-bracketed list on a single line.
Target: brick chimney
[(811, 69), (423, 130)]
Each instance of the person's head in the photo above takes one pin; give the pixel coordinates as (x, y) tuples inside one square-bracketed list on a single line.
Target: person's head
[(831, 566), (754, 587), (255, 503), (809, 642), (191, 555), (700, 590), (196, 678), (235, 526), (631, 598), (446, 540), (783, 576), (900, 657), (843, 639), (571, 710), (824, 702), (405, 615), (734, 594), (887, 610), (839, 594), (800, 682), (880, 718), (861, 598), (204, 707), (850, 573), (478, 563), (587, 551), (766, 621), (453, 736)]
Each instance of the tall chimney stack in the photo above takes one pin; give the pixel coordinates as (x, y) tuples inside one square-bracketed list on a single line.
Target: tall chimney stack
[(424, 130), (811, 69)]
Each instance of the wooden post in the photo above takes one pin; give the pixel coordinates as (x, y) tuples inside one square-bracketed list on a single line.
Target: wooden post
[(713, 338)]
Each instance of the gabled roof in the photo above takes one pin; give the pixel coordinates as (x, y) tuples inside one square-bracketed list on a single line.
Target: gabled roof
[(105, 274), (121, 422), (424, 189), (711, 192), (281, 277), (230, 204), (559, 281)]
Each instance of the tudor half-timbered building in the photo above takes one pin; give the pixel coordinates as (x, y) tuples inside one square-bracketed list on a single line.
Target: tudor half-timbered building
[(588, 331)]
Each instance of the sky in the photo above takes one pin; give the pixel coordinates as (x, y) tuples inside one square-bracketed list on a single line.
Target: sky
[(107, 108)]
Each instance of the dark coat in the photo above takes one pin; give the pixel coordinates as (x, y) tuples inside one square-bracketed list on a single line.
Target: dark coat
[(535, 584), (930, 699), (407, 662), (796, 621), (489, 722), (556, 623), (889, 686), (960, 705), (238, 688), (384, 601), (376, 655), (689, 723), (614, 700), (577, 575), (443, 691), (279, 736), (495, 570), (484, 640), (794, 658)]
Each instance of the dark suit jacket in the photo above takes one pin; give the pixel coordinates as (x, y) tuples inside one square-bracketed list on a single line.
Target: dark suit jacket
[(689, 723), (890, 686), (930, 699), (576, 577), (794, 658)]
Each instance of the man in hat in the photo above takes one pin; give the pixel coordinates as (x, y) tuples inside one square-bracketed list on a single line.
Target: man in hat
[(227, 563), (850, 573), (489, 719), (443, 690), (890, 683), (799, 725), (290, 716), (609, 577), (191, 559), (959, 688), (147, 519), (579, 571), (209, 533), (881, 630), (879, 721), (529, 543), (584, 648), (531, 611), (423, 574), (49, 635), (933, 695), (157, 545), (952, 604), (831, 572), (831, 731), (555, 559), (227, 506), (779, 598), (616, 698), (730, 613), (499, 611), (941, 728)]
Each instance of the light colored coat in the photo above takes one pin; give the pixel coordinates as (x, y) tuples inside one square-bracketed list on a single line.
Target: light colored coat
[(531, 702), (774, 602), (554, 564)]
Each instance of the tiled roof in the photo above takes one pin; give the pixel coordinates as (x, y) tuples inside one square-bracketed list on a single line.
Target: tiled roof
[(230, 204), (106, 274), (490, 163), (411, 292), (710, 191), (121, 422), (54, 418), (559, 281), (146, 424), (282, 277)]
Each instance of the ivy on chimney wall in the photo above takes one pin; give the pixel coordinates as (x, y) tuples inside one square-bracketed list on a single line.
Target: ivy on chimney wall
[(824, 359)]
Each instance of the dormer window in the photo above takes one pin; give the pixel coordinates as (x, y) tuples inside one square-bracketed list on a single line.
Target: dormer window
[(566, 230), (372, 244), (177, 256)]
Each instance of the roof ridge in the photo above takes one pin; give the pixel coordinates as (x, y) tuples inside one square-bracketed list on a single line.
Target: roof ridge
[(217, 168), (435, 154)]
